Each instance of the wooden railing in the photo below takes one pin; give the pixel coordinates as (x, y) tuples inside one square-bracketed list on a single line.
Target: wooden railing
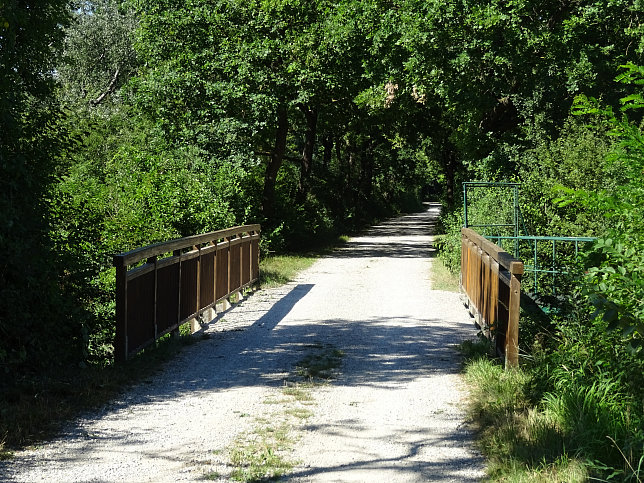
[(180, 281), (491, 279)]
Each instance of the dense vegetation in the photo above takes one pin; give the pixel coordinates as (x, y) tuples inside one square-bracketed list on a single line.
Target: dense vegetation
[(128, 122)]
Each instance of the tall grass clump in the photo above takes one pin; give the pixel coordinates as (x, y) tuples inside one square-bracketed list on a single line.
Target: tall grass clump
[(569, 413)]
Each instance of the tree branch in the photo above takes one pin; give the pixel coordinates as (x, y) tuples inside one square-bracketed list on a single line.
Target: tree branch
[(109, 90)]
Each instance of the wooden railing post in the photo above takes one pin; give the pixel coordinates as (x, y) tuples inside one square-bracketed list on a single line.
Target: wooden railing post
[(229, 239), (512, 333), (177, 253), (120, 342), (156, 290)]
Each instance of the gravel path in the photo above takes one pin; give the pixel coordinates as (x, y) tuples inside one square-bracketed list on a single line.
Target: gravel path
[(393, 413)]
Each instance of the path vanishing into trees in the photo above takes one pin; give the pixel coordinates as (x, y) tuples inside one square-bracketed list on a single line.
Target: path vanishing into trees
[(393, 411)]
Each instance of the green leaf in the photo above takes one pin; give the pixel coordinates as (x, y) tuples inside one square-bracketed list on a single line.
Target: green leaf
[(610, 315)]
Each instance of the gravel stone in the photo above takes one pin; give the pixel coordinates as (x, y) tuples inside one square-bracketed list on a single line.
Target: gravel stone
[(393, 414)]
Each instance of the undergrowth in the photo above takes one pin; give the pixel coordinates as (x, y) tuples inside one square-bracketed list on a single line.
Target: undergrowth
[(567, 432), (442, 278)]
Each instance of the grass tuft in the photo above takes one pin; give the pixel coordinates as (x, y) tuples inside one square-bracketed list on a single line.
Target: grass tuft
[(441, 278), (321, 365), (280, 269), (521, 442), (297, 392), (262, 456)]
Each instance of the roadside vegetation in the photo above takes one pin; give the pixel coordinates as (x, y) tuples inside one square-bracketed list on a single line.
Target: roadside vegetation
[(442, 278), (574, 410), (127, 122)]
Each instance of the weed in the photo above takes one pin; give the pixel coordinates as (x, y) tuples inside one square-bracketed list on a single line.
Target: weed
[(261, 457), (480, 348), (320, 365), (521, 442), (275, 401), (442, 278), (297, 392), (5, 455), (299, 413), (280, 269)]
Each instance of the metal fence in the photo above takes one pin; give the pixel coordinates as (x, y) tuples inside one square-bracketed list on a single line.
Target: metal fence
[(548, 259)]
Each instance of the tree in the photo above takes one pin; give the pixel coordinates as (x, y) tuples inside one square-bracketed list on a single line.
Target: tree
[(98, 56), (31, 143)]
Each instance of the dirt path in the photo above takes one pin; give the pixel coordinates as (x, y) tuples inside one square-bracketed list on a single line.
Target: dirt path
[(394, 412)]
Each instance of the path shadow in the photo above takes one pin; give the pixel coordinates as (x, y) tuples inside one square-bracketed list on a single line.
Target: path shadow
[(378, 351), (411, 233)]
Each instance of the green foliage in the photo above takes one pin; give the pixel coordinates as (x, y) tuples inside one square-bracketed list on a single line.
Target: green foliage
[(613, 280), (448, 242), (32, 142), (129, 188), (98, 54), (584, 395), (575, 160), (583, 426), (314, 118), (280, 269)]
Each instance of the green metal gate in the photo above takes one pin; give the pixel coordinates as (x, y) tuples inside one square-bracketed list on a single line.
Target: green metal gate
[(497, 216)]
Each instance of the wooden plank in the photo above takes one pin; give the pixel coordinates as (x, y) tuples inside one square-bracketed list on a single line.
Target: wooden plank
[(134, 256), (140, 312), (155, 294), (167, 298), (207, 280), (255, 259), (485, 288), (512, 334), (221, 285), (189, 271), (120, 342), (494, 296), (235, 268)]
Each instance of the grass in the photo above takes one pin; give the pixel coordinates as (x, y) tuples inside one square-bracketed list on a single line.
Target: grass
[(298, 393), (320, 365), (277, 270), (299, 413), (441, 278), (263, 454), (562, 436), (520, 442)]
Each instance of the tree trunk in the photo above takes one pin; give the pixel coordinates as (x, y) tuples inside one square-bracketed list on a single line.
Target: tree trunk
[(327, 143), (366, 169), (449, 167), (311, 116), (274, 163)]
